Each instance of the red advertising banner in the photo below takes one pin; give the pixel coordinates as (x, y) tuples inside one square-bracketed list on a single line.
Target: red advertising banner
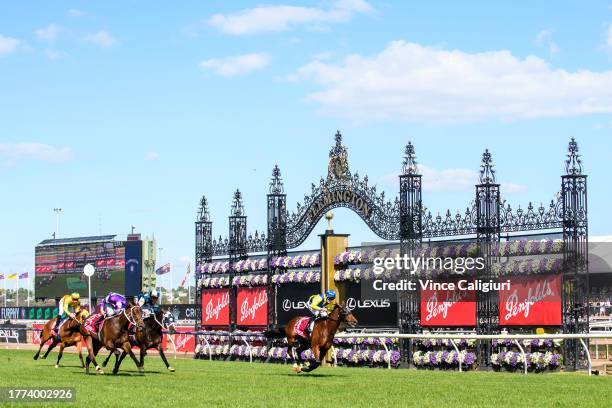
[(215, 307), (252, 307), (531, 301), (443, 307), (185, 343)]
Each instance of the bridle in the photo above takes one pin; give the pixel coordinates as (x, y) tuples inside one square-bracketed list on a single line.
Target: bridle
[(132, 320)]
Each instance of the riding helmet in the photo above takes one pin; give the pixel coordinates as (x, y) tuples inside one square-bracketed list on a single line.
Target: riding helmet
[(330, 294), (75, 296)]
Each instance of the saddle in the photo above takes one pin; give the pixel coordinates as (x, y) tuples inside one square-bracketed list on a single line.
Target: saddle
[(93, 324)]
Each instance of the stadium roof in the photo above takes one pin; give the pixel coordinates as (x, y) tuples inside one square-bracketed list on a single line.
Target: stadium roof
[(76, 240)]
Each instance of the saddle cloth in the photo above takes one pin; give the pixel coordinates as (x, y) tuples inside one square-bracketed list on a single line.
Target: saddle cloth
[(300, 327), (92, 322)]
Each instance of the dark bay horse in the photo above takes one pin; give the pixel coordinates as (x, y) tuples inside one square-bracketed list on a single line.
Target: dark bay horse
[(320, 340), (151, 337), (113, 335), (69, 336)]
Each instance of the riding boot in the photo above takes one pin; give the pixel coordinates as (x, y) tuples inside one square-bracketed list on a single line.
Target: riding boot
[(56, 325)]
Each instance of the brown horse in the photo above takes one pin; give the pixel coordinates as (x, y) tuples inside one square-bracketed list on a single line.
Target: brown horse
[(320, 340), (114, 335), (151, 337), (69, 336)]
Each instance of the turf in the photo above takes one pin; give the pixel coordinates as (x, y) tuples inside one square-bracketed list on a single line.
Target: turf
[(205, 383)]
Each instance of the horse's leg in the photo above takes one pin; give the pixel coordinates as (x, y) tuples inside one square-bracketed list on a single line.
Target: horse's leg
[(105, 362), (160, 349), (92, 350), (128, 349), (51, 347), (59, 354), (79, 347), (43, 340), (118, 360), (316, 352)]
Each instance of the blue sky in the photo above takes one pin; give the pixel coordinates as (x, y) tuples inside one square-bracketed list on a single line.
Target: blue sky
[(125, 118)]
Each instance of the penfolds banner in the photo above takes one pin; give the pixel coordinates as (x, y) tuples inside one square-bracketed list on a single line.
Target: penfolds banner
[(448, 307), (531, 301), (215, 307), (185, 343), (252, 307)]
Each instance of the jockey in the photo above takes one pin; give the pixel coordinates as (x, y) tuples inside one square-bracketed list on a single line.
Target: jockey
[(112, 304), (69, 306), (320, 305), (148, 301)]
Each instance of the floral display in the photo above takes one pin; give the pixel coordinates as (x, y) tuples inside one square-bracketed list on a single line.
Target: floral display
[(369, 341), (536, 361), (510, 248), (214, 282), (528, 266), (528, 342), (460, 343), (513, 267), (261, 264), (250, 280), (444, 359), (307, 276)]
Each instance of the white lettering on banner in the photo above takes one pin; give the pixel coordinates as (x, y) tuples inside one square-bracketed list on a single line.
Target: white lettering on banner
[(11, 334), (212, 310), (288, 305), (259, 300), (352, 303), (434, 308), (190, 313), (180, 340), (514, 306), (9, 313)]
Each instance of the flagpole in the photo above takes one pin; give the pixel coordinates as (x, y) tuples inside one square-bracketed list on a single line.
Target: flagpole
[(188, 285), (5, 278), (17, 296), (28, 280)]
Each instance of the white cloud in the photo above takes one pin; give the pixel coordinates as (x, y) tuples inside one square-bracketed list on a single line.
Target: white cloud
[(76, 13), (451, 181), (35, 151), (151, 156), (415, 83), (278, 18), (54, 54), (544, 39), (101, 38), (8, 45), (48, 33), (236, 65)]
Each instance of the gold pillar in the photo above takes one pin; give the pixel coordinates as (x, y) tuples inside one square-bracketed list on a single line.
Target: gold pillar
[(331, 245)]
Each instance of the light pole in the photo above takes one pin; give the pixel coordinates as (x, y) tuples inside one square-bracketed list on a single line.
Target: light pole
[(88, 270), (57, 212)]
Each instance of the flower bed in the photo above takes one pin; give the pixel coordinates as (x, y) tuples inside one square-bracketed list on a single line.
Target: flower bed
[(444, 359), (528, 343), (512, 360), (446, 343), (261, 264), (307, 276)]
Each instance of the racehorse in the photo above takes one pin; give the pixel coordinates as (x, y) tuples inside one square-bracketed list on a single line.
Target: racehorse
[(150, 337), (114, 335), (320, 340), (69, 335)]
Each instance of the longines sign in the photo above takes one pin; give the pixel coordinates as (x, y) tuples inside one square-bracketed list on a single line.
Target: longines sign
[(348, 197)]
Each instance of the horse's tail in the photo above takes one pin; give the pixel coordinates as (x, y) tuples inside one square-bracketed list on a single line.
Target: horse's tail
[(275, 333)]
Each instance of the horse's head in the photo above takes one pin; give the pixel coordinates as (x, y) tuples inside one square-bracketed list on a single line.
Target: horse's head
[(135, 314), (346, 315)]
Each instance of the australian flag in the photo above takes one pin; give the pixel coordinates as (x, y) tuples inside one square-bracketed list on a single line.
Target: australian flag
[(162, 270)]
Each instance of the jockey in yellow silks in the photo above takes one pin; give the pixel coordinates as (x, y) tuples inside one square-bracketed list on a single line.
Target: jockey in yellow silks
[(69, 306), (320, 305)]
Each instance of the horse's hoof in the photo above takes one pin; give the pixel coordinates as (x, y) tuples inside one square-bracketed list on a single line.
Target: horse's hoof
[(141, 370), (56, 366), (100, 371), (296, 369), (171, 369), (35, 357)]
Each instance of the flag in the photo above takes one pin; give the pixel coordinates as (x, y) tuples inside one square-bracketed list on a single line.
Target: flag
[(12, 276), (186, 276), (24, 275), (162, 270)]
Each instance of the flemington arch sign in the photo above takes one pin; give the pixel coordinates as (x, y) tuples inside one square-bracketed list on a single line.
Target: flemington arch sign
[(406, 221)]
